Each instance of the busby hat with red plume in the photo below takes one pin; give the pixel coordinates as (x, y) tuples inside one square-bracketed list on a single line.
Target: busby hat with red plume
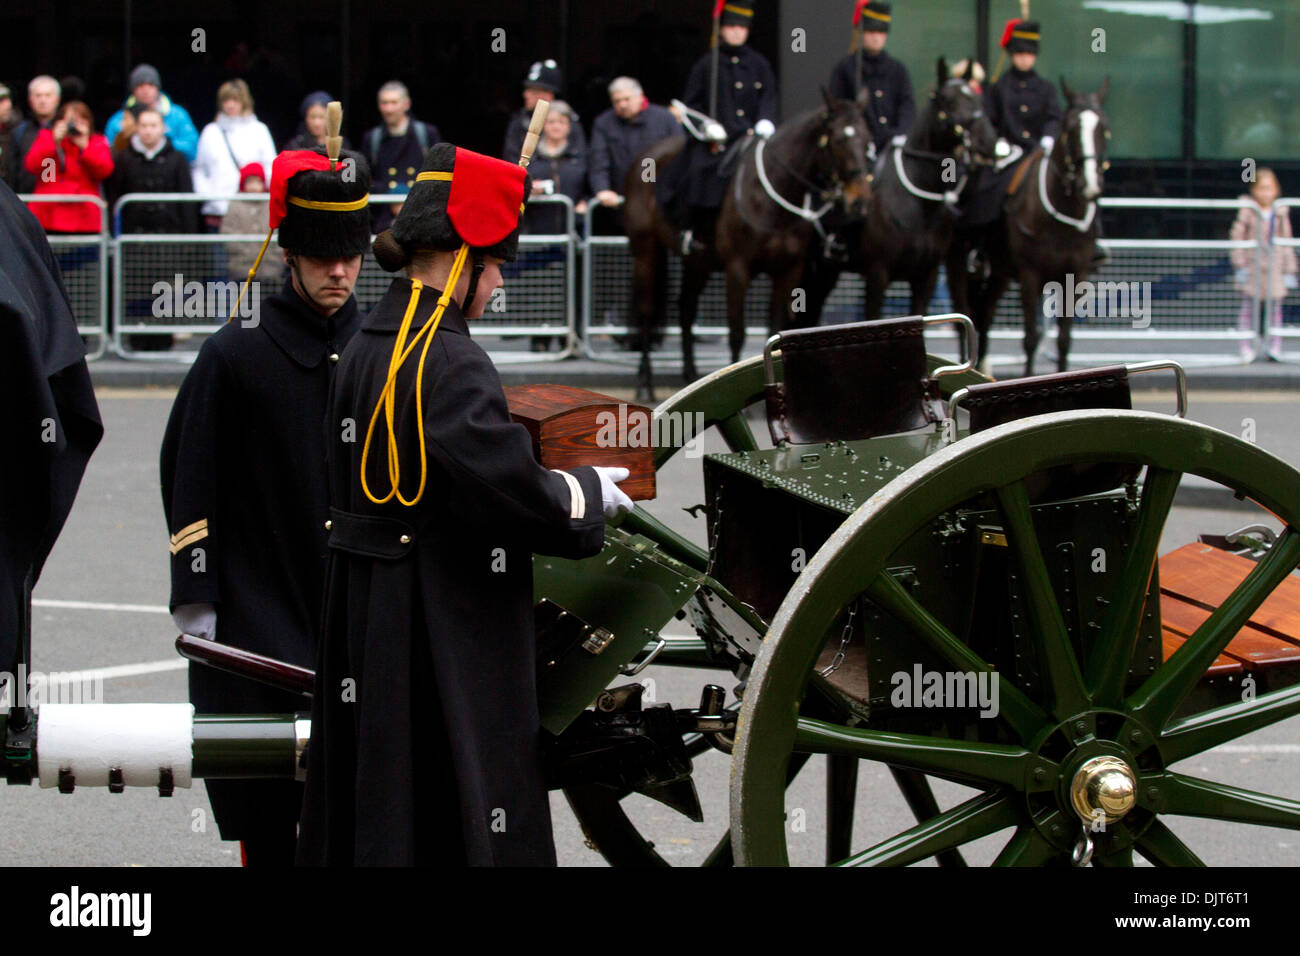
[(872, 16), (1020, 36), (459, 196), (321, 211)]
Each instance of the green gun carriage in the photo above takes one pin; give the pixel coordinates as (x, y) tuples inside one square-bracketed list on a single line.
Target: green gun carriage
[(952, 577)]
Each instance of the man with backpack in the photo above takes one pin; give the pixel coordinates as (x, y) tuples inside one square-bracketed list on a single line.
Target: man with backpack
[(395, 149)]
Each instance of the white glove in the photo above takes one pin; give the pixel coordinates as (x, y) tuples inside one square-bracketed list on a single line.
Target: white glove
[(197, 619), (1242, 276), (1002, 148), (764, 128), (614, 498), (714, 133), (1046, 142), (1290, 282)]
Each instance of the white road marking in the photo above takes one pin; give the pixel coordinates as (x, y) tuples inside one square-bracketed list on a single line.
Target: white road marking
[(120, 670), (1255, 749), (100, 606)]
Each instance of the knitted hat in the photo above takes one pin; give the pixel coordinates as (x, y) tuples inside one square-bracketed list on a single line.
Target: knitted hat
[(249, 171), (144, 73)]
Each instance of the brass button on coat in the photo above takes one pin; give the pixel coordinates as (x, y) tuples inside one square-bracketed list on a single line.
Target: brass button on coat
[(328, 524), (334, 356), (405, 539)]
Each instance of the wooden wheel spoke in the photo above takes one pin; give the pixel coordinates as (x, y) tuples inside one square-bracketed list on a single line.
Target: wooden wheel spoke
[(1027, 847), (1056, 658), (1157, 699), (1112, 653), (975, 818), (1160, 847), (959, 760), (920, 798), (1193, 735), (1193, 797), (736, 432), (1021, 713)]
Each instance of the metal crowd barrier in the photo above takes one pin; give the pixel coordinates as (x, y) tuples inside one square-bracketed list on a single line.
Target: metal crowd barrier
[(83, 260), (1193, 308), (1185, 288), (168, 285)]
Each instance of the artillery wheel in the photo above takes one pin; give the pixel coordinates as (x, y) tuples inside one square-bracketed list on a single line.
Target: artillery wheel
[(1079, 718), (723, 398)]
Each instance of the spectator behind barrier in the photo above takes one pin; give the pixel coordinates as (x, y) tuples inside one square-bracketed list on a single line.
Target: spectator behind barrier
[(229, 143), (619, 134), (10, 118), (311, 125), (150, 164), (69, 158), (558, 166), (43, 94), (395, 150), (145, 85), (249, 218), (1264, 222)]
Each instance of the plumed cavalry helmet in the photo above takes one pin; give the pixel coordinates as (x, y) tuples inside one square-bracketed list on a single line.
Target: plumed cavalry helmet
[(1020, 36), (459, 196), (321, 212), (872, 16), (738, 13)]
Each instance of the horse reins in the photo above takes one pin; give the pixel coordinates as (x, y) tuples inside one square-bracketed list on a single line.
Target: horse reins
[(1083, 224)]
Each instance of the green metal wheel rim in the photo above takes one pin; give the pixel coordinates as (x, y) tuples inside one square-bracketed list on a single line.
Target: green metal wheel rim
[(853, 561)]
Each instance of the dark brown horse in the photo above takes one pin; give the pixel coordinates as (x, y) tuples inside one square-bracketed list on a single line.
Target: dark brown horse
[(910, 219), (781, 189), (1047, 230)]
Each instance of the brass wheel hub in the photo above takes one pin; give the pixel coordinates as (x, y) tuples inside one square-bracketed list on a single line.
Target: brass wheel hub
[(1103, 788)]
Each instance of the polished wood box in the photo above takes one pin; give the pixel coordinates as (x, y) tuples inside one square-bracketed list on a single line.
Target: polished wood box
[(572, 426)]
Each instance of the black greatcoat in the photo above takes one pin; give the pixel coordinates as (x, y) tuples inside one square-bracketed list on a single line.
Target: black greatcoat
[(746, 94), (890, 107), (245, 450), (50, 422), (434, 757)]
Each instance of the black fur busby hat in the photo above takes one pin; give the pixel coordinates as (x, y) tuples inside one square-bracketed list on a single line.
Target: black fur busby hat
[(872, 16), (325, 212), (484, 195), (1020, 36)]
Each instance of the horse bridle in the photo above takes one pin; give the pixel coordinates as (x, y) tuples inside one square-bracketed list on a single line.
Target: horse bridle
[(960, 131), (831, 194), (1073, 178)]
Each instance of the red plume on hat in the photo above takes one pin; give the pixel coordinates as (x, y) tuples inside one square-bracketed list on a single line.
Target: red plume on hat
[(286, 165), (486, 197), (717, 8), (857, 10), (1006, 32)]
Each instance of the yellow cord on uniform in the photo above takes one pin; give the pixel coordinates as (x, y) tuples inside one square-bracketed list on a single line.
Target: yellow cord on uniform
[(251, 272), (401, 351)]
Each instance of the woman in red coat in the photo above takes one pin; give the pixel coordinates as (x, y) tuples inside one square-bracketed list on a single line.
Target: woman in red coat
[(69, 158)]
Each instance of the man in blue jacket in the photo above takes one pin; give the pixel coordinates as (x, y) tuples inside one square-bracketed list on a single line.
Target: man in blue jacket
[(146, 91)]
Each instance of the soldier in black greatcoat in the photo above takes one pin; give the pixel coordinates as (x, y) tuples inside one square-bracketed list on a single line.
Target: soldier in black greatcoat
[(50, 424), (426, 740), (872, 74), (746, 102), (243, 474)]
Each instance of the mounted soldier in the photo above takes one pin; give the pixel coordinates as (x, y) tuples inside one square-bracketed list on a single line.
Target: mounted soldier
[(873, 78), (734, 86)]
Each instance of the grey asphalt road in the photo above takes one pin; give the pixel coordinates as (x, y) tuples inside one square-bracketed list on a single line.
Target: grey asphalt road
[(100, 604)]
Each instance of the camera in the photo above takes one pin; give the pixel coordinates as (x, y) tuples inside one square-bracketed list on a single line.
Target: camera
[(73, 128)]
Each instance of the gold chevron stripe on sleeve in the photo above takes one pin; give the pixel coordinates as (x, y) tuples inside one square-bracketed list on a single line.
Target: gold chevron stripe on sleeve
[(188, 535)]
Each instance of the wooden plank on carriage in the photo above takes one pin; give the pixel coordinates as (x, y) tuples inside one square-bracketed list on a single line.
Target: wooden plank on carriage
[(1250, 645), (1223, 664), (1206, 575)]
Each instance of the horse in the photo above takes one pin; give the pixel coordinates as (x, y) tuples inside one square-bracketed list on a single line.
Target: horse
[(1047, 229), (781, 189), (909, 220)]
